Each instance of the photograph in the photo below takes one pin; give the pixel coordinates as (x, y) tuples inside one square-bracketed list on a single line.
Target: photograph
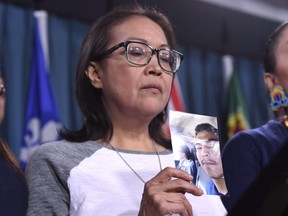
[(196, 149)]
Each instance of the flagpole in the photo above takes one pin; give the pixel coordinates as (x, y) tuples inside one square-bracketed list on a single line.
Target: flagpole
[(42, 19)]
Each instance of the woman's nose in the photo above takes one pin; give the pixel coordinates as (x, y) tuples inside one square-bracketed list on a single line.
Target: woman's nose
[(154, 67)]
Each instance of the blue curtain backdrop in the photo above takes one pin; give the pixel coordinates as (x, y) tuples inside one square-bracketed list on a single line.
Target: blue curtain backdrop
[(200, 76)]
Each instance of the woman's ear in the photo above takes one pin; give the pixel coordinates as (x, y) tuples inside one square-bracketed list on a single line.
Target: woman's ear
[(269, 80), (94, 74)]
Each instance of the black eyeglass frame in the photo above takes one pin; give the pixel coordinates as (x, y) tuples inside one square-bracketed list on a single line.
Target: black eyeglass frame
[(154, 50), (206, 142)]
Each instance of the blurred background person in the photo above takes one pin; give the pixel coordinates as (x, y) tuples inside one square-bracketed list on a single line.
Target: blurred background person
[(247, 153), (13, 187), (187, 161), (209, 156)]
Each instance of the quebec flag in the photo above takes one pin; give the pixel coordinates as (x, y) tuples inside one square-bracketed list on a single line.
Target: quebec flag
[(42, 118)]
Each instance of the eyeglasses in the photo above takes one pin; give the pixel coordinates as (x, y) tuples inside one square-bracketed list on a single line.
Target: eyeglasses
[(140, 54), (199, 144), (2, 90)]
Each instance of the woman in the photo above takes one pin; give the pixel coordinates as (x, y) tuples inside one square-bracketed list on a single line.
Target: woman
[(13, 187), (246, 155), (124, 77), (187, 161)]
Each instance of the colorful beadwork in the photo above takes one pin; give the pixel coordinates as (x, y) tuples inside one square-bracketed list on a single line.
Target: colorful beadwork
[(278, 98)]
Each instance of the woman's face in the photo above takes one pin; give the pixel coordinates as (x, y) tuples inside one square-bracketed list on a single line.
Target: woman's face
[(129, 90), (2, 103), (281, 56)]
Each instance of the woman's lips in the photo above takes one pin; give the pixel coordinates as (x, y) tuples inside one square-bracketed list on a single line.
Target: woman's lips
[(153, 87)]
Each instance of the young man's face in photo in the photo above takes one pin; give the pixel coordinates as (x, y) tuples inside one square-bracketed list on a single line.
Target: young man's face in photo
[(208, 153)]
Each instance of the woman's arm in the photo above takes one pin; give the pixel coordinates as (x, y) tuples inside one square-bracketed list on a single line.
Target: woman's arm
[(48, 192)]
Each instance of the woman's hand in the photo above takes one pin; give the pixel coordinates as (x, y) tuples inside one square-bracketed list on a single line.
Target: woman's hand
[(164, 194)]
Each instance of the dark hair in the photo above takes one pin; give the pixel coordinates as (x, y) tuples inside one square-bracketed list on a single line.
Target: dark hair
[(97, 123), (269, 59), (206, 127), (7, 154), (186, 150)]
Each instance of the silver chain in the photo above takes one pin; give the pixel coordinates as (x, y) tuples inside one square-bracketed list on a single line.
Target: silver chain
[(116, 150)]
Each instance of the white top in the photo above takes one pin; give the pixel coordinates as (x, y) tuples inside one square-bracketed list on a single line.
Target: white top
[(89, 179)]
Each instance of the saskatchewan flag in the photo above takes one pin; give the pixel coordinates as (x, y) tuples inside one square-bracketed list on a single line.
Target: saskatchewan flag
[(237, 112)]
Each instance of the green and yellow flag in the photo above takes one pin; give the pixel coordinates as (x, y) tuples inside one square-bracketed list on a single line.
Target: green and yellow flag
[(237, 111)]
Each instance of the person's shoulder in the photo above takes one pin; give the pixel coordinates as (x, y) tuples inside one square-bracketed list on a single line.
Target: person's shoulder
[(6, 167), (272, 131), (61, 153), (257, 138), (274, 125), (251, 134), (241, 137), (51, 147), (45, 150), (63, 147), (270, 126), (241, 141)]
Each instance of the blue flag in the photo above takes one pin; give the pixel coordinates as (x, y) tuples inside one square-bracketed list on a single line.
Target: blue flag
[(42, 118)]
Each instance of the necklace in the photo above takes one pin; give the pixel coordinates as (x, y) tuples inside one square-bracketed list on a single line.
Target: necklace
[(116, 150)]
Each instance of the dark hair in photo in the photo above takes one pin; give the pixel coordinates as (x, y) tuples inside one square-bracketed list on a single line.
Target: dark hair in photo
[(206, 127), (186, 150)]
